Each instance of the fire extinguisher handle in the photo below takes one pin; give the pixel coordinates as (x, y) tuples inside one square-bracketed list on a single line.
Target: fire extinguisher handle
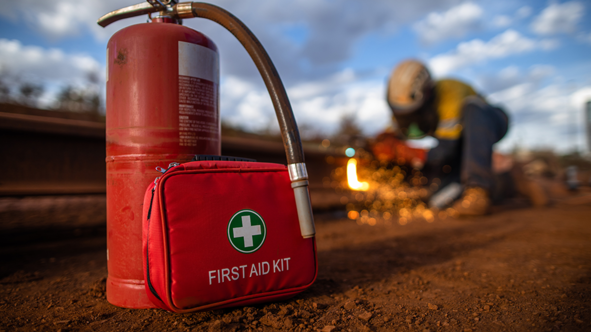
[(130, 11)]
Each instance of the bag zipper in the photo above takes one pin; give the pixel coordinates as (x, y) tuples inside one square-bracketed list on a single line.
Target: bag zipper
[(161, 170), (151, 200)]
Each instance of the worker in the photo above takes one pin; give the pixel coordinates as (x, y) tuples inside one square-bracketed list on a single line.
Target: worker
[(464, 124)]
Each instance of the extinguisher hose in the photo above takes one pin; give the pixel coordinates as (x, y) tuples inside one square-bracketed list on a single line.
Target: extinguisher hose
[(289, 130)]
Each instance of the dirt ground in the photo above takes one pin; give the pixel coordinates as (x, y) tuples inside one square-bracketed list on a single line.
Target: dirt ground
[(519, 269)]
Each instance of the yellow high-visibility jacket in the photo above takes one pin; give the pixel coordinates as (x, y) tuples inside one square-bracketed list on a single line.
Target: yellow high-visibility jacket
[(449, 98)]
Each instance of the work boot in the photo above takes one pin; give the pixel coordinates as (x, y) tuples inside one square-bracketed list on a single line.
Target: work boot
[(475, 201)]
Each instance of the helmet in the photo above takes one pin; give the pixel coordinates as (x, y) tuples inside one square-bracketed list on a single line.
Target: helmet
[(409, 87)]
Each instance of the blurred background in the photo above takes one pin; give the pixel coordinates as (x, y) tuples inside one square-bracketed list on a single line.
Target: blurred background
[(375, 219)]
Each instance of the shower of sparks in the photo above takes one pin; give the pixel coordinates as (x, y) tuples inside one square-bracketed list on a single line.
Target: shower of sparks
[(385, 194)]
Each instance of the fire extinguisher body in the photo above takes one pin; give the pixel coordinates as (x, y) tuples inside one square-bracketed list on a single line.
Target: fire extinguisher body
[(162, 107)]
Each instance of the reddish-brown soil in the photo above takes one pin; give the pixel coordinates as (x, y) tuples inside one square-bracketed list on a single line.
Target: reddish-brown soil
[(519, 269)]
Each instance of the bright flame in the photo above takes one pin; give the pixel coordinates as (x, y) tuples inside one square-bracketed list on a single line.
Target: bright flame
[(352, 177)]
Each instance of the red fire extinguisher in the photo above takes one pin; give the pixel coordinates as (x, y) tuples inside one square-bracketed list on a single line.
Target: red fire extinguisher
[(163, 107)]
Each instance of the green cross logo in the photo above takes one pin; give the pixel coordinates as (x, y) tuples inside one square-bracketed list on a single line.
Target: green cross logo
[(247, 231)]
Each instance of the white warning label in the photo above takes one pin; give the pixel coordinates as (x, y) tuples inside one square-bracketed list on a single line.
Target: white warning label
[(198, 94)]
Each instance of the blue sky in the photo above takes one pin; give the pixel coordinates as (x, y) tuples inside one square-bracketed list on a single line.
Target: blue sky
[(532, 57)]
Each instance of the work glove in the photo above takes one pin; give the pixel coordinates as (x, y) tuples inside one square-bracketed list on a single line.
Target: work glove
[(389, 148)]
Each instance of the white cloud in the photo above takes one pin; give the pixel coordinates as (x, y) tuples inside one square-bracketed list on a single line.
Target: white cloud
[(453, 23), (512, 76), (511, 95), (335, 27), (523, 12), (549, 44), (558, 18), (538, 72), (502, 21), (62, 18), (50, 67), (323, 86), (364, 99), (43, 64), (581, 97), (543, 117), (477, 51), (319, 104), (63, 21)]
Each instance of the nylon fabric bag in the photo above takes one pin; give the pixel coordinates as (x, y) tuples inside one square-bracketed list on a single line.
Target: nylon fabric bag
[(218, 234)]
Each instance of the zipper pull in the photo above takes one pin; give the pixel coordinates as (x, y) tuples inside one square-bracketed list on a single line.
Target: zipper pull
[(163, 170)]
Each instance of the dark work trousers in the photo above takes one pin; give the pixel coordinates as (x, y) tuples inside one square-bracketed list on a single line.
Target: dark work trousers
[(469, 159)]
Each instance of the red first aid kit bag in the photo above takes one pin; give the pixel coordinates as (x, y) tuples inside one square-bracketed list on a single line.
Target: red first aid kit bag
[(224, 233)]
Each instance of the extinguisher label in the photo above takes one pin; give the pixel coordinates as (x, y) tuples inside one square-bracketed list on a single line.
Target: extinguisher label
[(199, 62), (198, 94)]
